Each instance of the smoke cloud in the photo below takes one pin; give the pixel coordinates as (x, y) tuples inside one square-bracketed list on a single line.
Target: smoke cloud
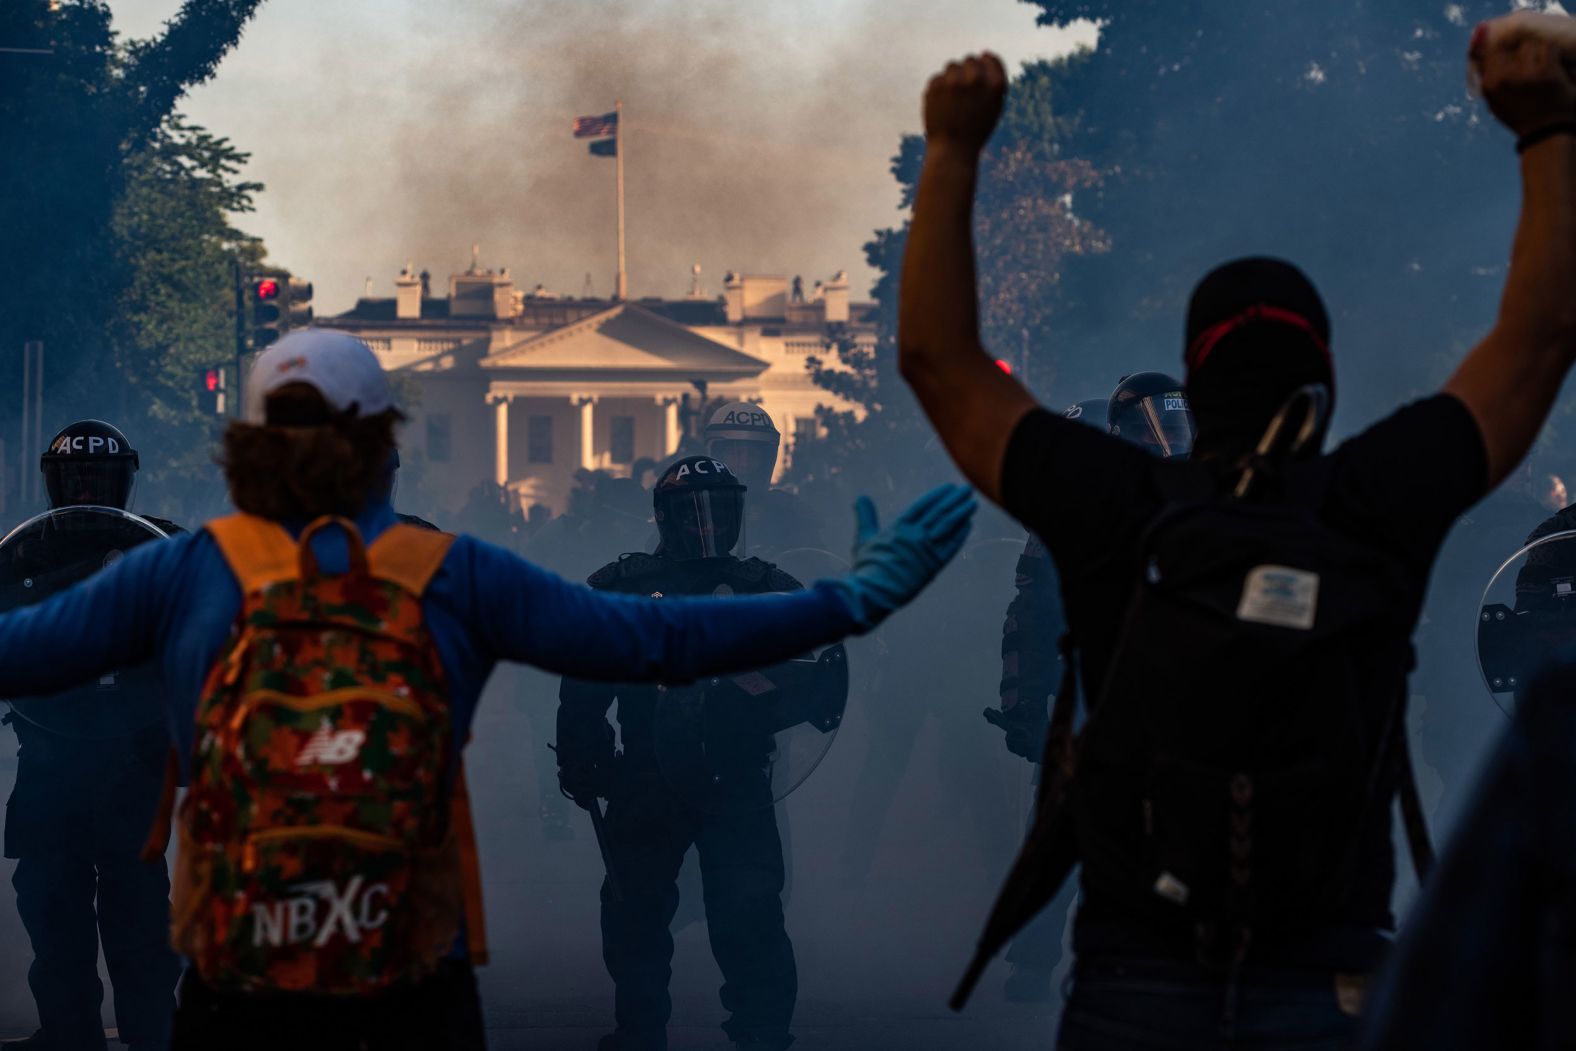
[(757, 136)]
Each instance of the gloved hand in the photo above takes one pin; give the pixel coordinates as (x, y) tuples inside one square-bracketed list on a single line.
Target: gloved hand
[(586, 759), (1024, 724), (893, 565)]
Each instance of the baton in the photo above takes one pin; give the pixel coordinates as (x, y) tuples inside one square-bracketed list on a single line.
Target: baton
[(599, 826)]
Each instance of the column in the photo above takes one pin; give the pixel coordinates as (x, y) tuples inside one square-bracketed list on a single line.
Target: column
[(670, 426), (587, 432), (501, 455)]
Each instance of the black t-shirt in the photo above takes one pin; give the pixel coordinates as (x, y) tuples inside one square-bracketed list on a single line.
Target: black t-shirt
[(1398, 486)]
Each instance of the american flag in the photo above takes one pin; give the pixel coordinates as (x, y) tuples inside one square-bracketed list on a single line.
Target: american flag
[(596, 127)]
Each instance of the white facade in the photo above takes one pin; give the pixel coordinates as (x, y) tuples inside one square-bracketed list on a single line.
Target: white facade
[(527, 391)]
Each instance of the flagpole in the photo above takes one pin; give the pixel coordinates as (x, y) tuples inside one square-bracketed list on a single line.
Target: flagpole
[(622, 284)]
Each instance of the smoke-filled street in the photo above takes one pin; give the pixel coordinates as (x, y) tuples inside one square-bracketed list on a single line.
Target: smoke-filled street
[(879, 524)]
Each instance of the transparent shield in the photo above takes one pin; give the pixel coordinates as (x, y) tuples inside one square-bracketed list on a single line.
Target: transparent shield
[(736, 743), (809, 564), (1527, 617), (55, 551)]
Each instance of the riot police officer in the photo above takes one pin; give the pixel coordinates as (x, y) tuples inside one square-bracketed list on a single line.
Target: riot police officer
[(90, 773), (656, 812), (742, 435)]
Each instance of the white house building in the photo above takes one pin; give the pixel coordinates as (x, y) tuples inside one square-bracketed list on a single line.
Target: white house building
[(525, 389)]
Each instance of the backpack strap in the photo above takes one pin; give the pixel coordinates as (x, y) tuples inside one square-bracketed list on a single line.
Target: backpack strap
[(409, 556), (470, 868), (158, 840), (258, 551)]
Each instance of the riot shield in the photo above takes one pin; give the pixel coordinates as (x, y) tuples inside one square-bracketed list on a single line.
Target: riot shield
[(736, 743), (55, 551), (809, 564), (1527, 618)]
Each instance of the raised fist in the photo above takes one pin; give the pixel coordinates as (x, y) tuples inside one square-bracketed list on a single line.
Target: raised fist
[(1525, 66), (963, 101)]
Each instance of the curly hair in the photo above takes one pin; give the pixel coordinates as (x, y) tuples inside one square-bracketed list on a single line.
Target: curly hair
[(307, 460)]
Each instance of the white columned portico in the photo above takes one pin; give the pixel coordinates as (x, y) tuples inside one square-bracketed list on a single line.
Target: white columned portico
[(501, 453), (587, 404)]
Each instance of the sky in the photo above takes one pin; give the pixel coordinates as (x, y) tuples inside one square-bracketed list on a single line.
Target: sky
[(757, 136)]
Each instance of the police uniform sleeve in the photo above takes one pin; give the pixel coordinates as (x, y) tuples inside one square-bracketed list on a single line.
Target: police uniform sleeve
[(1032, 630), (580, 702)]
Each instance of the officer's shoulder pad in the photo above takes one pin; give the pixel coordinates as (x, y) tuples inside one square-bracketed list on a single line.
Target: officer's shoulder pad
[(767, 576), (632, 566)]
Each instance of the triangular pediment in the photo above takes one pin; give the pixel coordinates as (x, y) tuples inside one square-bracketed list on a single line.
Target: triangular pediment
[(624, 338)]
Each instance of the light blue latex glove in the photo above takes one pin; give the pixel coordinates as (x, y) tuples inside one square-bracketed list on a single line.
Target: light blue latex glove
[(893, 565)]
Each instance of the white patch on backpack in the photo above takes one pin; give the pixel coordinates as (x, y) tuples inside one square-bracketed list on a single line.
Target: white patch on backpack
[(317, 910), (1281, 596), (327, 748)]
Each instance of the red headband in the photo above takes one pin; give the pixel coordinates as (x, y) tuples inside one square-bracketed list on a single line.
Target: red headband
[(1207, 340)]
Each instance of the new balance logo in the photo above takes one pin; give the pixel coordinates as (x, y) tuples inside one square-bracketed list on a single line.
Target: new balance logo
[(327, 748), (303, 917)]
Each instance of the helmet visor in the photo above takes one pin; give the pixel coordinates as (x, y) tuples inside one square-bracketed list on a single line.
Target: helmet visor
[(702, 523), (1160, 423), (751, 459), (102, 482)]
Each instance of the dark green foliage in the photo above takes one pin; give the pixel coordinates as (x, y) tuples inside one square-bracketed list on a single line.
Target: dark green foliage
[(174, 243), (1024, 230), (83, 128), (1340, 135)]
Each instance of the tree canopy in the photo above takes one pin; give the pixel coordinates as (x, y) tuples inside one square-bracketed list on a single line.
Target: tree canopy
[(1025, 228), (1339, 135), (115, 212)]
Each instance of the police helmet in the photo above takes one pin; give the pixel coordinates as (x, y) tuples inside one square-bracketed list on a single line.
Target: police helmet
[(1150, 410), (1091, 411), (743, 435), (89, 462), (699, 506)]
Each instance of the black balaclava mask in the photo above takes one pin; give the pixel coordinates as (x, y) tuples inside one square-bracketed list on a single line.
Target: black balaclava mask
[(1256, 332)]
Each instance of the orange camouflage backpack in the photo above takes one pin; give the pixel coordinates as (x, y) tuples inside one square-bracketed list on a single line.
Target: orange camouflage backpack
[(325, 841)]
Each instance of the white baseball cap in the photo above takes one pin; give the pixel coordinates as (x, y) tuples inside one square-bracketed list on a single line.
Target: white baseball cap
[(337, 365)]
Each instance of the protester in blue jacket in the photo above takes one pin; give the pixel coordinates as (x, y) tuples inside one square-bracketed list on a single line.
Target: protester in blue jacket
[(318, 438)]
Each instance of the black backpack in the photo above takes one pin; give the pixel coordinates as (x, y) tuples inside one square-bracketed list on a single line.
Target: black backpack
[(1250, 725)]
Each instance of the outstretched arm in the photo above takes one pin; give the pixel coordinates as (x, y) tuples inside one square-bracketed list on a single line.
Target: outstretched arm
[(1509, 380), (973, 405), (532, 616)]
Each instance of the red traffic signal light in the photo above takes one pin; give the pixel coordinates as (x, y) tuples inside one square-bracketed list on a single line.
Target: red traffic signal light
[(211, 380), (280, 302), (1004, 365)]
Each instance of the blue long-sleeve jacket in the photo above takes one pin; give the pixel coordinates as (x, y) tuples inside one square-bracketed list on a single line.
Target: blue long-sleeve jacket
[(176, 601)]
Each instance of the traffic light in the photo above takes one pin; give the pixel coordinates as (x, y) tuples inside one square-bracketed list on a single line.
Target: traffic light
[(279, 303), (298, 301), (268, 311), (211, 390)]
